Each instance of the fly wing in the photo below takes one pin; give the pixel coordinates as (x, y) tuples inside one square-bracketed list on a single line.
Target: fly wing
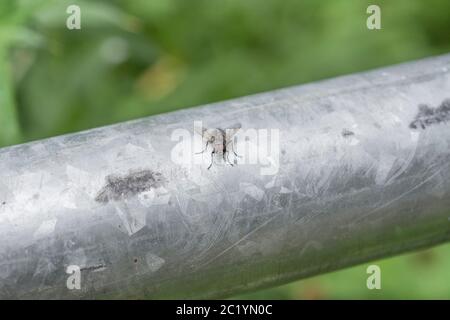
[(199, 130), (230, 132), (205, 133)]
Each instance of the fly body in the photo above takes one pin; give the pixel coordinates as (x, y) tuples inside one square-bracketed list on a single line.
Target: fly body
[(220, 142)]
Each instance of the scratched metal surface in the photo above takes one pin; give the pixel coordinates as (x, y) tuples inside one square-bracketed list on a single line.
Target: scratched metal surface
[(363, 173)]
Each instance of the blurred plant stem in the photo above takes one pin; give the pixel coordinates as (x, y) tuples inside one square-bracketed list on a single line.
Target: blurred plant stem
[(9, 124)]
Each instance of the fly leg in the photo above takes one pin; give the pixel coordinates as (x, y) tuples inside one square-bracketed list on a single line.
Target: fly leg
[(232, 148), (212, 159), (234, 152), (227, 160), (206, 147)]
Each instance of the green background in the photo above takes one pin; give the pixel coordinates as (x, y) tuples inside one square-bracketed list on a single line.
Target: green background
[(134, 58)]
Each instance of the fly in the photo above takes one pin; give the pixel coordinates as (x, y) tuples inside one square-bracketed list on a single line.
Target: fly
[(221, 142)]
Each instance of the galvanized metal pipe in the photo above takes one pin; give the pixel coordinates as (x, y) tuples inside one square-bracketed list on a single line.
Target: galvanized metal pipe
[(363, 173)]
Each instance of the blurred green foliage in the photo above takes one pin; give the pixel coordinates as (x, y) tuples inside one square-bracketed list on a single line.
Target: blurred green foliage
[(421, 275), (136, 58), (140, 57)]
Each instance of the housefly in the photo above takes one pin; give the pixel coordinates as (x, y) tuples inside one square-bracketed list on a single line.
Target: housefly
[(220, 142)]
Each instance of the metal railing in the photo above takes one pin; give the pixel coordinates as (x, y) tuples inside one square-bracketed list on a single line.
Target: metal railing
[(351, 169)]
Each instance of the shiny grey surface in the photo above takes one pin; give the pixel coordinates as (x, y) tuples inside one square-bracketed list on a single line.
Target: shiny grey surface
[(363, 173)]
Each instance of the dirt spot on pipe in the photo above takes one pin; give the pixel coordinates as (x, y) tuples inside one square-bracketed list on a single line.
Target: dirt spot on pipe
[(94, 267), (123, 187), (428, 116), (347, 133)]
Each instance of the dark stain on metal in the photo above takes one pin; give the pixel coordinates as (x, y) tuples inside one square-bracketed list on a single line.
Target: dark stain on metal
[(123, 187), (329, 108), (346, 133), (221, 141), (428, 116), (93, 268)]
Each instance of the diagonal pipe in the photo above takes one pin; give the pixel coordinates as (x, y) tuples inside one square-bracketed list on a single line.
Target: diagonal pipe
[(328, 175)]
